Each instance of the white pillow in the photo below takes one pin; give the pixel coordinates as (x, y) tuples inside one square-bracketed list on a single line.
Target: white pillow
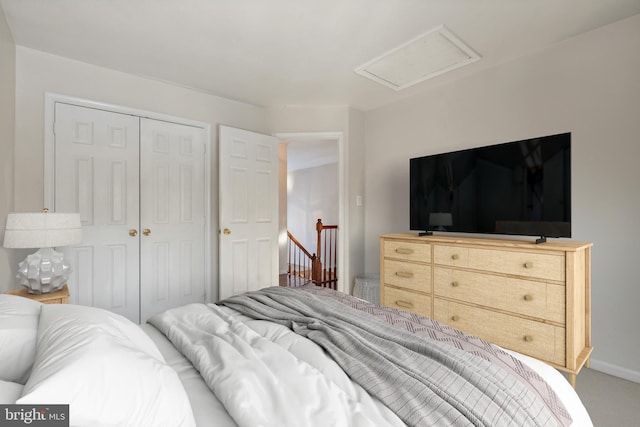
[(18, 329), (106, 368), (9, 392)]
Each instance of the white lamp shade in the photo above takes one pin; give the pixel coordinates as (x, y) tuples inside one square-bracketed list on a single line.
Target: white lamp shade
[(42, 230)]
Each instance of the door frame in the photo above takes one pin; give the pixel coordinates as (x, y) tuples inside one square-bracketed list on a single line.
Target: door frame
[(49, 171), (343, 226)]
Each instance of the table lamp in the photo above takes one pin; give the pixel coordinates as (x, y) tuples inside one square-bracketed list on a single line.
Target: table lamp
[(46, 270)]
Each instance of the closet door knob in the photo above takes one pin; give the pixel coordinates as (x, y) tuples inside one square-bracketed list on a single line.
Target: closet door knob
[(133, 232), (146, 231), (226, 231)]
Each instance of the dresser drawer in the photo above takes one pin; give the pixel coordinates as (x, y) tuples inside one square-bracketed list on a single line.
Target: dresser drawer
[(535, 299), (409, 251), (525, 264), (536, 339), (408, 275), (407, 300)]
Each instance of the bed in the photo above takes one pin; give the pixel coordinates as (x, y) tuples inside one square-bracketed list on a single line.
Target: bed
[(276, 357)]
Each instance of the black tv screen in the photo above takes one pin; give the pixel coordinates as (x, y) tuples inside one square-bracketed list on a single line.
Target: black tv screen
[(517, 188)]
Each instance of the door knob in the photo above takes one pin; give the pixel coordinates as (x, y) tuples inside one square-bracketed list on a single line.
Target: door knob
[(146, 231), (133, 232), (226, 231)]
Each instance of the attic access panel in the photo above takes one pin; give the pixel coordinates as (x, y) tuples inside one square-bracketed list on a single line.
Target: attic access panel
[(429, 55)]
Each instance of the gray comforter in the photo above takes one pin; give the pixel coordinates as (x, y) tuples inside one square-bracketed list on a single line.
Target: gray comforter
[(426, 382)]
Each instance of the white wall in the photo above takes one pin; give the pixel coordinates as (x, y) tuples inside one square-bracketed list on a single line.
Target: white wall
[(38, 73), (282, 209), (312, 194), (355, 159), (589, 86), (8, 257)]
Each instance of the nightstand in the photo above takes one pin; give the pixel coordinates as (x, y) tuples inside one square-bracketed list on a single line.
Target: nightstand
[(57, 297)]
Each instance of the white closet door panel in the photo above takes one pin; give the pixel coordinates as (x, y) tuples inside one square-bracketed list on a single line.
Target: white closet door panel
[(264, 264), (96, 174), (82, 261), (172, 210), (238, 277), (265, 180), (239, 186)]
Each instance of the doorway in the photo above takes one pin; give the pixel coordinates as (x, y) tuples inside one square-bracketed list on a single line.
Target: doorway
[(315, 161)]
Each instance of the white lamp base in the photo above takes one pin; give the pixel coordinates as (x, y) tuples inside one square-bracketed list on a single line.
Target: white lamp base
[(43, 271)]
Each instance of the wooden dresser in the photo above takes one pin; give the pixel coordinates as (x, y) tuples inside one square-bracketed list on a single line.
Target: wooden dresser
[(534, 299)]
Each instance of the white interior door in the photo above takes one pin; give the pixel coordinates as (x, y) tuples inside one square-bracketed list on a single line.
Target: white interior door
[(96, 174), (248, 217), (172, 215)]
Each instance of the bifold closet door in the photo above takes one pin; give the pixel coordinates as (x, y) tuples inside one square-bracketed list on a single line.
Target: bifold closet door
[(96, 173), (138, 185), (172, 215)]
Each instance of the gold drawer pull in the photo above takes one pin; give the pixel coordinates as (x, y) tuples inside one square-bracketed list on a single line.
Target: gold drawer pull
[(404, 251), (404, 274), (455, 256), (455, 284), (528, 297), (528, 338), (528, 264), (455, 318), (404, 304)]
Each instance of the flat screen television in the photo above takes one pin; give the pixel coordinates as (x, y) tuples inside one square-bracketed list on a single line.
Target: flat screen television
[(514, 188)]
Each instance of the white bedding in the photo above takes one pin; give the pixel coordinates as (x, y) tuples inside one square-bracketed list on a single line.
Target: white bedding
[(103, 366), (283, 378), (78, 347), (207, 409), (10, 391), (561, 386), (307, 352)]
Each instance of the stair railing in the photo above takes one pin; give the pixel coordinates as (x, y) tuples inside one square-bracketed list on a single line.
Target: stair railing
[(320, 267), (301, 263)]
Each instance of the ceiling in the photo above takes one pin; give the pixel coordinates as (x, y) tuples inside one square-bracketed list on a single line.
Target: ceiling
[(295, 52)]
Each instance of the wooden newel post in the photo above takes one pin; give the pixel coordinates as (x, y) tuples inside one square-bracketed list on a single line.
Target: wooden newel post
[(317, 263), (319, 228), (316, 269)]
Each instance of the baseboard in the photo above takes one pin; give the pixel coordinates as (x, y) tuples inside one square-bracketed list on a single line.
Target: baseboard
[(615, 370)]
